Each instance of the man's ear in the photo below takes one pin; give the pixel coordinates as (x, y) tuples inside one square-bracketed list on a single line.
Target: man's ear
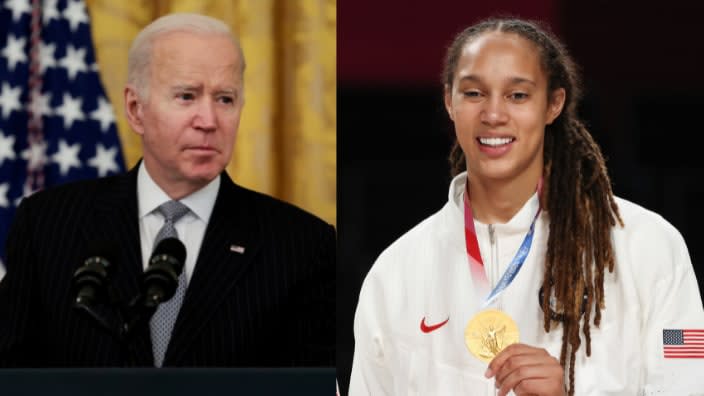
[(133, 109), (448, 101), (555, 104)]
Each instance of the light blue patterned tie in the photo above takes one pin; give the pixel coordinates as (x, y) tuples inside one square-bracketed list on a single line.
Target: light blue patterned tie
[(162, 323)]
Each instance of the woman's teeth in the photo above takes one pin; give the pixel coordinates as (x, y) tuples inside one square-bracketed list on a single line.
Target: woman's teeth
[(495, 141)]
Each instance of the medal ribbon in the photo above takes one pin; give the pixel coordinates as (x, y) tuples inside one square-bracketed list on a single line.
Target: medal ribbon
[(476, 265)]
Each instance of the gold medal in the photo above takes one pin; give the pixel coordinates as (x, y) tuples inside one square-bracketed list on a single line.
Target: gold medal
[(489, 332)]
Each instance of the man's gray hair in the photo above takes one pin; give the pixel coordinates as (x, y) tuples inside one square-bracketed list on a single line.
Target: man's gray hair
[(139, 56)]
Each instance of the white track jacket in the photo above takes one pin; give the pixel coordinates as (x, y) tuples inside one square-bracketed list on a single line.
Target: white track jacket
[(425, 275)]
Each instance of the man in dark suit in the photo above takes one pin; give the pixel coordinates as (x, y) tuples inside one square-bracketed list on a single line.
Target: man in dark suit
[(257, 286)]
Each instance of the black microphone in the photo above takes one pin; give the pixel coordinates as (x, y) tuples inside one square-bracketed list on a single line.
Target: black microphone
[(160, 279), (89, 282)]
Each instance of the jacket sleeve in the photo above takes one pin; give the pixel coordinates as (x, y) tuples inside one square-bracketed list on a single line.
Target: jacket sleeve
[(17, 295), (670, 300), (371, 371), (310, 304)]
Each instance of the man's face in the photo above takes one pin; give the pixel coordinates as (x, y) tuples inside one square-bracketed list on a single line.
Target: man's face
[(189, 119)]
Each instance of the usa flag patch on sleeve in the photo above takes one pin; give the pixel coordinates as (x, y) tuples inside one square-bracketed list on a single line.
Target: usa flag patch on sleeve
[(683, 343)]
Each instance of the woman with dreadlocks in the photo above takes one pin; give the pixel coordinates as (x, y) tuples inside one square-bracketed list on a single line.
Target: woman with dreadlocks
[(533, 266)]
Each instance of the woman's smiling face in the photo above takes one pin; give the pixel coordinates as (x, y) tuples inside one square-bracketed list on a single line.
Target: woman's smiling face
[(500, 105)]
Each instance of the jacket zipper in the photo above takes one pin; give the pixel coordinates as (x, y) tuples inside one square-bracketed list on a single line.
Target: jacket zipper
[(495, 273), (493, 280)]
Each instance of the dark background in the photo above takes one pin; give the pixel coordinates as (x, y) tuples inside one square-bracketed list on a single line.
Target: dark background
[(643, 71)]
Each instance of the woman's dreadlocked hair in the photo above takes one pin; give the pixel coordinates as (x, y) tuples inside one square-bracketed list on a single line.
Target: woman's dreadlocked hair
[(577, 193)]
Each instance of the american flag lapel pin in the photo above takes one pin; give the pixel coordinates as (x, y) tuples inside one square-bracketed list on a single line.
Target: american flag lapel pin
[(237, 249)]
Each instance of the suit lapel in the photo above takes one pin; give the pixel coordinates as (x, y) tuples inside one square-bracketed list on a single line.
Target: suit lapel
[(229, 244), (116, 221)]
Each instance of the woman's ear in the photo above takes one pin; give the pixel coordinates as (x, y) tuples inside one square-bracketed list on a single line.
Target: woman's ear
[(448, 101), (555, 104)]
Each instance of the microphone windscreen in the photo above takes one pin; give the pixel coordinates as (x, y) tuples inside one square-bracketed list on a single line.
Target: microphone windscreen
[(171, 247), (90, 279)]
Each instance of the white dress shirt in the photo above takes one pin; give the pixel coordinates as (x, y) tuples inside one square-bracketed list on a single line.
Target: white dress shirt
[(190, 228)]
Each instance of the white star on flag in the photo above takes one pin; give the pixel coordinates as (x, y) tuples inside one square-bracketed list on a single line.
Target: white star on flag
[(9, 99), (50, 11), (104, 160), (18, 7), (103, 114), (3, 195), (74, 61), (67, 157), (35, 154), (46, 56), (75, 13), (14, 51), (6, 147), (70, 110), (41, 104)]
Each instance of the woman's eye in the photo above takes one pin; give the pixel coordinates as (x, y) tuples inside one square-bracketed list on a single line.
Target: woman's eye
[(472, 94), (519, 96)]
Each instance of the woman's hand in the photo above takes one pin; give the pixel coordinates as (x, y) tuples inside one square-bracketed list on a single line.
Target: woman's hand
[(527, 371)]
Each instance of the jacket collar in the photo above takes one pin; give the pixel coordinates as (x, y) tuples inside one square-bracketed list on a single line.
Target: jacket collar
[(454, 209)]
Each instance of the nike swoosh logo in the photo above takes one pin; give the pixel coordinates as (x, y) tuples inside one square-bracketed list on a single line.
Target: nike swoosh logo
[(427, 329)]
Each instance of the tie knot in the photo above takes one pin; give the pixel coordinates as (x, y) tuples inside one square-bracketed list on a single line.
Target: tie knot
[(173, 211)]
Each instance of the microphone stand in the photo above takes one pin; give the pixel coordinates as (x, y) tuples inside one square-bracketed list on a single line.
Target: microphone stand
[(130, 318), (140, 311), (89, 309)]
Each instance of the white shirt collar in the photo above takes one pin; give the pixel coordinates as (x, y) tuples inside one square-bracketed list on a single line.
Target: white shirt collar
[(519, 221), (150, 196)]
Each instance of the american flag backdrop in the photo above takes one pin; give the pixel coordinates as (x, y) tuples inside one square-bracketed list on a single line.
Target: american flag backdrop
[(56, 123), (683, 343)]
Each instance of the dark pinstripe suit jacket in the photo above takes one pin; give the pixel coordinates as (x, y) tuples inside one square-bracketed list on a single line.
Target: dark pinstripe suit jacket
[(271, 305)]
